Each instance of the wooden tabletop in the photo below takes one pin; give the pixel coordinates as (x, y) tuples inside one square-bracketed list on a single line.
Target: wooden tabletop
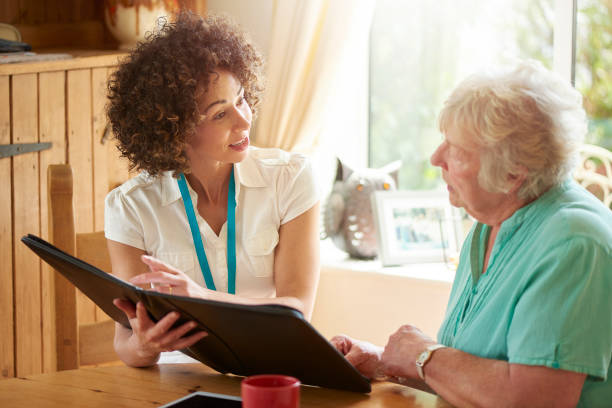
[(121, 386)]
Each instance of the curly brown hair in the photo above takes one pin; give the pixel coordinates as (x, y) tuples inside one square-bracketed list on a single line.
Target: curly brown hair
[(153, 96)]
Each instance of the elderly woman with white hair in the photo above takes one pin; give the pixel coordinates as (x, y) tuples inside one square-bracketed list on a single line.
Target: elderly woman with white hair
[(529, 319)]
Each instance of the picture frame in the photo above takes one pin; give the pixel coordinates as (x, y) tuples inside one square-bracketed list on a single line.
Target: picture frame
[(415, 226)]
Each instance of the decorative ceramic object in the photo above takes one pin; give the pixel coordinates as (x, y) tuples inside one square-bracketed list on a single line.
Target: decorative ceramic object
[(9, 32), (130, 20), (348, 218)]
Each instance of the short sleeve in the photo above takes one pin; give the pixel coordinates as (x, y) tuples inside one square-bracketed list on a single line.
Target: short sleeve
[(297, 189), (563, 318), (121, 221)]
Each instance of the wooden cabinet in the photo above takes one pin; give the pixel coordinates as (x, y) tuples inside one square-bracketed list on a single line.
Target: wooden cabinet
[(61, 102)]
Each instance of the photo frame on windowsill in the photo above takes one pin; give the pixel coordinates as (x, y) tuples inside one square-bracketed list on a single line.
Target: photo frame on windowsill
[(415, 227)]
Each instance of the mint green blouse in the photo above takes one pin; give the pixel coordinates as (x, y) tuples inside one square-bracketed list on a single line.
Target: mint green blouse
[(546, 296)]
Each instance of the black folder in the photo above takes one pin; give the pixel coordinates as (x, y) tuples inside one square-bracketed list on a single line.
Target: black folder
[(242, 339)]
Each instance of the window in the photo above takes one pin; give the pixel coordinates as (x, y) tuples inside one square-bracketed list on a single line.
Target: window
[(419, 51), (593, 67)]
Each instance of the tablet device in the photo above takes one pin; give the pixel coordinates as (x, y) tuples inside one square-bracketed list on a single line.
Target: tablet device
[(202, 399), (242, 339)]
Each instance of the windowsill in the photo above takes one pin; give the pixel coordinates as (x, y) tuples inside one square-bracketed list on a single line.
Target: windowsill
[(333, 258)]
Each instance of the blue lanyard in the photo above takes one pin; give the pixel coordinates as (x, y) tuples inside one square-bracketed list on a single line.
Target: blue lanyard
[(197, 238)]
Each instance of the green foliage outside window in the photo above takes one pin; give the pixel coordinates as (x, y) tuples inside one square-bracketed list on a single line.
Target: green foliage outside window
[(593, 57), (594, 67)]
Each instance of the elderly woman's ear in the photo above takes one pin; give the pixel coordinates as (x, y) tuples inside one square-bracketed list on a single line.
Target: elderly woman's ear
[(516, 180)]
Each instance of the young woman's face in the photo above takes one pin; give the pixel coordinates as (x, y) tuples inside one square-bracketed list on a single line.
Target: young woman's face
[(223, 132)]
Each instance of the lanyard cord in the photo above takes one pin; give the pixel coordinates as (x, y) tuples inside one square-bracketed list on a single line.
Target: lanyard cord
[(197, 237)]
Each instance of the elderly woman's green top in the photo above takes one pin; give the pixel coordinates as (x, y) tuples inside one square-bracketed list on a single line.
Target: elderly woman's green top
[(546, 296)]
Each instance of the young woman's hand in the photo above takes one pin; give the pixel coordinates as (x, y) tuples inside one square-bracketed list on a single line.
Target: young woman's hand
[(148, 338), (167, 279)]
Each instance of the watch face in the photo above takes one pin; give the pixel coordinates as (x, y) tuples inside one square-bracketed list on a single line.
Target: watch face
[(422, 357)]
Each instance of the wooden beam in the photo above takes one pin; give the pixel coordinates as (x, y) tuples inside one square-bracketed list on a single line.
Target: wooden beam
[(28, 333), (99, 77), (80, 157), (61, 231), (52, 111), (7, 346)]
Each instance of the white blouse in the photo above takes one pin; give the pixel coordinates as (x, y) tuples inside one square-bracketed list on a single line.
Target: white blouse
[(272, 188)]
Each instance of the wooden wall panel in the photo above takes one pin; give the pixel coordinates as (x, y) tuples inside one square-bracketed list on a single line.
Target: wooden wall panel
[(33, 11), (28, 341), (52, 128), (81, 35), (7, 346), (99, 76), (58, 23), (100, 147), (49, 11), (79, 110), (9, 11), (55, 11), (80, 157), (118, 167)]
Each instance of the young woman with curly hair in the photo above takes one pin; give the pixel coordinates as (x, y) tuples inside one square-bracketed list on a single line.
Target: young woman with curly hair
[(208, 216)]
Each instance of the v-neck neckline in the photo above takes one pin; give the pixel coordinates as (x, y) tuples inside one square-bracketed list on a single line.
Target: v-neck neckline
[(480, 239), (201, 220)]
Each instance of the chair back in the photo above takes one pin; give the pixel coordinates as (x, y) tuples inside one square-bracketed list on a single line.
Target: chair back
[(594, 172), (76, 344)]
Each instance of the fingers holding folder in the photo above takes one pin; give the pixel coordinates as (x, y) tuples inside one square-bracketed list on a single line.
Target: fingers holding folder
[(152, 338)]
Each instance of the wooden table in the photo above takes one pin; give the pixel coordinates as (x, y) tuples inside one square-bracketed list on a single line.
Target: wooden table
[(120, 386)]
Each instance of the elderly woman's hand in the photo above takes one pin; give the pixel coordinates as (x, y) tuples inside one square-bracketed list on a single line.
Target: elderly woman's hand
[(402, 349), (364, 356), (164, 278)]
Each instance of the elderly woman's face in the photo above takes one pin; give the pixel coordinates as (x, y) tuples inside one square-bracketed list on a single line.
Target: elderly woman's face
[(223, 132), (458, 157)]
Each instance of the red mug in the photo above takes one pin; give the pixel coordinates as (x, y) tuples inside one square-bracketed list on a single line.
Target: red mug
[(270, 391)]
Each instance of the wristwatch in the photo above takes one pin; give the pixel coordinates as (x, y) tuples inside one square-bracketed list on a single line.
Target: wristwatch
[(424, 357)]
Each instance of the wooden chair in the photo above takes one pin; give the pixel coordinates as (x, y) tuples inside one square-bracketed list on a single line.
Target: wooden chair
[(594, 172), (77, 344)]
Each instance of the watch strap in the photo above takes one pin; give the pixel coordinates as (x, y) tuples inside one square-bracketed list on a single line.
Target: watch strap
[(424, 358)]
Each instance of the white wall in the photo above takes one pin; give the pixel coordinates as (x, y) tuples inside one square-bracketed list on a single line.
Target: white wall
[(370, 305), (255, 16)]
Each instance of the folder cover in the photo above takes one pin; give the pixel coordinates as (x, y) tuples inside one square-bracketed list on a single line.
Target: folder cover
[(242, 339)]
